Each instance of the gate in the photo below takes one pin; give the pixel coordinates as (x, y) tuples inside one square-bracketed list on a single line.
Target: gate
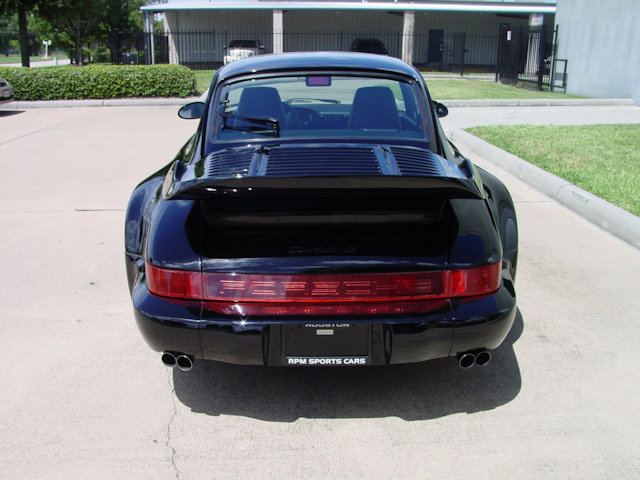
[(526, 57)]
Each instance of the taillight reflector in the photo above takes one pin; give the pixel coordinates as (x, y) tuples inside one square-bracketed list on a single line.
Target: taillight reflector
[(334, 294)]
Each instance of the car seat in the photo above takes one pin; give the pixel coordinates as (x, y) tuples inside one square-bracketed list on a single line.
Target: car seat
[(374, 108), (261, 102)]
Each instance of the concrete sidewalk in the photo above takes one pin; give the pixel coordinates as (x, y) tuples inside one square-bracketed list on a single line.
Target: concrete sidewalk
[(100, 102)]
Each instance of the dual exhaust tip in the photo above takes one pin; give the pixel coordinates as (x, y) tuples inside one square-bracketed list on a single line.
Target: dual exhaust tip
[(181, 360), (469, 359)]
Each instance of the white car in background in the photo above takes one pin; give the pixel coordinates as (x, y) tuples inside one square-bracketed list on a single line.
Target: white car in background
[(6, 91), (239, 49)]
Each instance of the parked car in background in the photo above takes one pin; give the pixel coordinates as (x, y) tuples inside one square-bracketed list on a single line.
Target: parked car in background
[(369, 45), (319, 216), (6, 91), (239, 49)]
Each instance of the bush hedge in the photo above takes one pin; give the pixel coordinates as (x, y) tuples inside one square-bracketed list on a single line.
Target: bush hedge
[(100, 81)]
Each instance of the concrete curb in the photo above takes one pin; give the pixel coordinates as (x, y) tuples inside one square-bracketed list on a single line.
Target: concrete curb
[(106, 102), (605, 215), (131, 102), (540, 102)]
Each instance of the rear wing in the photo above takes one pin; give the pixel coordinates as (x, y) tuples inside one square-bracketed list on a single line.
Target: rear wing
[(386, 170)]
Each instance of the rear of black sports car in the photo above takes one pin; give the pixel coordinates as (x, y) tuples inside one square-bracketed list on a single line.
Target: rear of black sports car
[(308, 252)]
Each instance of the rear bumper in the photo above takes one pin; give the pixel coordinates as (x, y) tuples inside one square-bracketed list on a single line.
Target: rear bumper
[(457, 326)]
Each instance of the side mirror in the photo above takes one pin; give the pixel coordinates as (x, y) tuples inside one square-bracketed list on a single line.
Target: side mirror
[(191, 110), (441, 110)]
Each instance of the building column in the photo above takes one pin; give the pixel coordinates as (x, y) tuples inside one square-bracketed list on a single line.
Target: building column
[(170, 24), (408, 35), (148, 29), (278, 31)]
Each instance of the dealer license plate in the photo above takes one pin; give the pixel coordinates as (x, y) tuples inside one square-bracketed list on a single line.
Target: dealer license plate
[(322, 344)]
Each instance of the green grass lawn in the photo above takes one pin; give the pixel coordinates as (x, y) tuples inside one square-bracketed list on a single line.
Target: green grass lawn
[(203, 80), (441, 89), (466, 89), (18, 58), (602, 159)]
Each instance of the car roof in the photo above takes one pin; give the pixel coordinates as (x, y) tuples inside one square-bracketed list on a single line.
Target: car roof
[(244, 41), (368, 39), (317, 61)]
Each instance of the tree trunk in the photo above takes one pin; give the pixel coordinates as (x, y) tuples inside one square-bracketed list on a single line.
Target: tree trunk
[(24, 38), (79, 59)]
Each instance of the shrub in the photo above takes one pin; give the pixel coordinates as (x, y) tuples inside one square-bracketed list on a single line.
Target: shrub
[(100, 81), (101, 54), (86, 55)]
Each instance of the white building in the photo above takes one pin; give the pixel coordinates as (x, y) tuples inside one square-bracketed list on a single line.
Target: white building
[(419, 32), (601, 42)]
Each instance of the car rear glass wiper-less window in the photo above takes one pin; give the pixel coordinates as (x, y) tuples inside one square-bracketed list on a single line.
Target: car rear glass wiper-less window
[(271, 124)]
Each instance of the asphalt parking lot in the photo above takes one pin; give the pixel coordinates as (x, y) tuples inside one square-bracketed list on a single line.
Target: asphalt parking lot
[(84, 397)]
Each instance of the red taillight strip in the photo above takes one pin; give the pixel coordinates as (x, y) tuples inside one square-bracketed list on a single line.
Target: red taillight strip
[(310, 294), (322, 309)]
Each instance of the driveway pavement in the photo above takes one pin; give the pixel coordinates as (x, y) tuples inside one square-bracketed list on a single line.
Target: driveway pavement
[(84, 397)]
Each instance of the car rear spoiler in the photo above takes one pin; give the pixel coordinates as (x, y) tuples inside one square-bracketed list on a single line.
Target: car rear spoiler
[(442, 178)]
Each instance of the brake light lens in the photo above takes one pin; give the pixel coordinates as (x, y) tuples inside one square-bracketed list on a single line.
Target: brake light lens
[(334, 294)]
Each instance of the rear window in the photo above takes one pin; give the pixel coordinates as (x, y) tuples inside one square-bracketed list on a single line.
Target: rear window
[(319, 107)]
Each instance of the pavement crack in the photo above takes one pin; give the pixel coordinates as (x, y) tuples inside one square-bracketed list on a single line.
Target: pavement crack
[(39, 130), (169, 425), (99, 209)]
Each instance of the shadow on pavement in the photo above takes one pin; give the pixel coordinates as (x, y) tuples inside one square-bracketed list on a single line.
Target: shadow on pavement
[(411, 392), (9, 113)]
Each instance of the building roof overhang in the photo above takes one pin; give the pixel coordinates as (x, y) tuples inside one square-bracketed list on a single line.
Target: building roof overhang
[(435, 6)]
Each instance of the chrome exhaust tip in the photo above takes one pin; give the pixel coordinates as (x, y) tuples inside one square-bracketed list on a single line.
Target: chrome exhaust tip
[(466, 360), (184, 362), (483, 358), (169, 359)]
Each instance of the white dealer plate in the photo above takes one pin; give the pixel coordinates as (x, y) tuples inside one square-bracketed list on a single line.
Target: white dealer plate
[(326, 361)]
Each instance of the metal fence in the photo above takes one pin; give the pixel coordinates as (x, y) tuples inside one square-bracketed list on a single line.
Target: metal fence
[(527, 58), (436, 50)]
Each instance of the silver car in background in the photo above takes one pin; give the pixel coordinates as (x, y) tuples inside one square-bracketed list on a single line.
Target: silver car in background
[(239, 49), (6, 91)]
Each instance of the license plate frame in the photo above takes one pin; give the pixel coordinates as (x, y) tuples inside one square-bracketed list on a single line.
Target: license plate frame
[(326, 344)]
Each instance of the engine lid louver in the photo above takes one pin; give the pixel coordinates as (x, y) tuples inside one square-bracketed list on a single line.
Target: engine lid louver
[(415, 161), (233, 162), (293, 162), (297, 161)]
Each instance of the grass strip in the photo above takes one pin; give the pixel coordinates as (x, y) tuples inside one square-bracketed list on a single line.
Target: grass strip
[(441, 89), (203, 80), (602, 159), (468, 89)]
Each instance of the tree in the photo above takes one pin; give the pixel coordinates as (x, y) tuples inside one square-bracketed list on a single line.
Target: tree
[(21, 8), (123, 15), (75, 21)]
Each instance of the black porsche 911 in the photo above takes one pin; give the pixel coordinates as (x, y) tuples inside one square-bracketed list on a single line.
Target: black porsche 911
[(319, 216)]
